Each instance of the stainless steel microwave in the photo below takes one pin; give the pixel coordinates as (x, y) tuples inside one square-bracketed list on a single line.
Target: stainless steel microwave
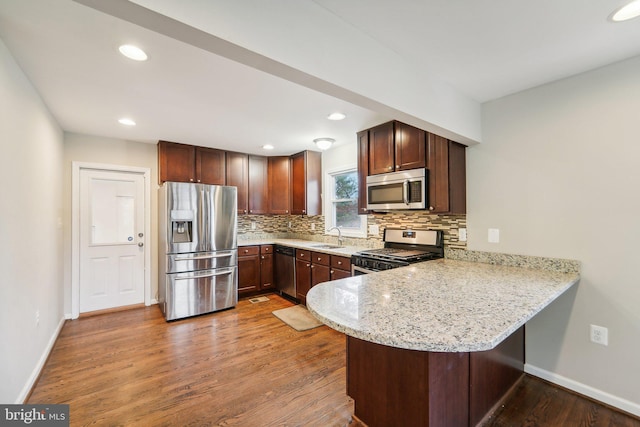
[(397, 190)]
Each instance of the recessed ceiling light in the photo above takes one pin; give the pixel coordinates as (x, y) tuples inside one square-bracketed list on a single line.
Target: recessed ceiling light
[(627, 12), (268, 147), (133, 52), (336, 116), (127, 122)]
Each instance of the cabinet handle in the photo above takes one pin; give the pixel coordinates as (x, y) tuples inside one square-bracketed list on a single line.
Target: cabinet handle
[(390, 167), (339, 262), (331, 272), (319, 259), (430, 208), (308, 265), (286, 211), (246, 251), (198, 180), (262, 256), (245, 211), (397, 166), (250, 211), (191, 179), (312, 266), (303, 211), (301, 255)]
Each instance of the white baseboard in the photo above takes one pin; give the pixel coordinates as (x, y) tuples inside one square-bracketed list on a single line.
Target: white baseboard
[(585, 390), (43, 359)]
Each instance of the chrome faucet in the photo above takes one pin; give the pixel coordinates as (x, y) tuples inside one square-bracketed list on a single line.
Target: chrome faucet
[(340, 239)]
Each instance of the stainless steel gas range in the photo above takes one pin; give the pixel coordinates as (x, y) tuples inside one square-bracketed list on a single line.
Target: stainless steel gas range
[(401, 248)]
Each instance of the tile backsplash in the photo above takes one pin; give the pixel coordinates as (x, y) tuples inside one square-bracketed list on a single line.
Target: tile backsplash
[(312, 227)]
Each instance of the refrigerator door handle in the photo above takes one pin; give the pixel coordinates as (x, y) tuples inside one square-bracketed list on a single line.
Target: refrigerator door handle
[(225, 255), (201, 276)]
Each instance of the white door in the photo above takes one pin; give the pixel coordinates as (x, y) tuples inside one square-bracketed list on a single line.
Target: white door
[(112, 241)]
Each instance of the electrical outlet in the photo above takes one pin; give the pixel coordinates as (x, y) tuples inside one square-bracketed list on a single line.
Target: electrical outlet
[(494, 235), (253, 225), (313, 226), (374, 229), (37, 317), (462, 234), (289, 224), (599, 335)]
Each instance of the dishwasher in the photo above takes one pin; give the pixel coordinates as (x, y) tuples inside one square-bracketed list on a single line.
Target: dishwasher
[(285, 273)]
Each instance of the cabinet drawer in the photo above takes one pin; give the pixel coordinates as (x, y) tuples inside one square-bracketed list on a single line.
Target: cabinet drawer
[(248, 250), (320, 258), (303, 254), (341, 262), (266, 249)]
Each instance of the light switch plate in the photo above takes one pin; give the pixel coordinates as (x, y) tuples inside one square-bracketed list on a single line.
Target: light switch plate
[(374, 229), (462, 234), (494, 235)]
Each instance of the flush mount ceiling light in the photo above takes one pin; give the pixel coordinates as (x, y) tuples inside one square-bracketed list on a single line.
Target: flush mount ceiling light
[(324, 143), (627, 12), (336, 116), (267, 147), (126, 121), (133, 52)]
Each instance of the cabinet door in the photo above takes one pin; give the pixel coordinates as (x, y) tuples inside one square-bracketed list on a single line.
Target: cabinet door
[(266, 271), (339, 274), (279, 194), (303, 279), (238, 176), (210, 166), (363, 170), (457, 178), (306, 183), (248, 273), (438, 164), (176, 162), (320, 273), (258, 185), (381, 149), (410, 145)]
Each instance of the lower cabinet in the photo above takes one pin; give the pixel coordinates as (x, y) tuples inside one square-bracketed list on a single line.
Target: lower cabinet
[(255, 269), (317, 267)]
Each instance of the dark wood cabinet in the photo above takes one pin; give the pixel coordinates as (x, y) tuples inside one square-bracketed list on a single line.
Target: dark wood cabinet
[(320, 270), (396, 146), (266, 267), (258, 185), (255, 269), (238, 176), (248, 269), (303, 274), (446, 162), (363, 170), (340, 267), (381, 149), (410, 147), (306, 183), (187, 163), (279, 185)]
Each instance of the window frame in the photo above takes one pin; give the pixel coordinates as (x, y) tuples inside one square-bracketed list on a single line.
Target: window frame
[(330, 203)]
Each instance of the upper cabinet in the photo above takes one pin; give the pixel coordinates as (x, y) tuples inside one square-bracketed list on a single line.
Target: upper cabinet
[(446, 162), (238, 176), (279, 185), (187, 163), (396, 146), (363, 170), (258, 185), (306, 183)]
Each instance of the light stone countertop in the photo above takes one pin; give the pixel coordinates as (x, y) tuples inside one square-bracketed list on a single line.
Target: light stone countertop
[(305, 244), (443, 305)]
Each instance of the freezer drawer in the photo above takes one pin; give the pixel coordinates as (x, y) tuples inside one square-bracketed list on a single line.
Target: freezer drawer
[(199, 292), (177, 263)]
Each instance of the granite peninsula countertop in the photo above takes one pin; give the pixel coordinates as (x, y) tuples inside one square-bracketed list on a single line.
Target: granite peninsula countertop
[(444, 305)]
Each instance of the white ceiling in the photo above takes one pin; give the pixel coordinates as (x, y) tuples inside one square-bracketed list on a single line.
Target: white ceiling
[(484, 49)]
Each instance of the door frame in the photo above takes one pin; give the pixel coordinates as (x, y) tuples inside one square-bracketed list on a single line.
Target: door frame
[(76, 167)]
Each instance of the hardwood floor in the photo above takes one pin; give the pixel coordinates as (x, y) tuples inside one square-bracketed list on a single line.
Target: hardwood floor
[(240, 367)]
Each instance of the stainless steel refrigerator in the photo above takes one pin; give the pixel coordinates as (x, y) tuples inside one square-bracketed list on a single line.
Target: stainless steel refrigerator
[(197, 249)]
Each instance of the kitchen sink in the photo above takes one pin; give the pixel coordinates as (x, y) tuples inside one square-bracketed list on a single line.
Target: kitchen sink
[(325, 246)]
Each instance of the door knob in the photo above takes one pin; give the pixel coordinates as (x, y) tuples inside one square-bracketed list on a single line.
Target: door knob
[(141, 244), (140, 234)]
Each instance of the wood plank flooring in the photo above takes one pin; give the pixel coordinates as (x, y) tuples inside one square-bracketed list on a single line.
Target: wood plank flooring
[(240, 367)]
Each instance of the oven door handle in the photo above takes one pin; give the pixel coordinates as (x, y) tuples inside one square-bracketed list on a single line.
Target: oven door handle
[(405, 192)]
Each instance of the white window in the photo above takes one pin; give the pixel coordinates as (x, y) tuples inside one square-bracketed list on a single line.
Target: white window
[(342, 204)]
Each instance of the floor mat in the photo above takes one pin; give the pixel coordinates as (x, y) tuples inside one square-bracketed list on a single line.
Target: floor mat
[(298, 317)]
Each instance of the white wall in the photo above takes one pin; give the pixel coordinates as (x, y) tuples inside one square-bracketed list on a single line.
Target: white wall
[(95, 149), (558, 174), (30, 230)]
